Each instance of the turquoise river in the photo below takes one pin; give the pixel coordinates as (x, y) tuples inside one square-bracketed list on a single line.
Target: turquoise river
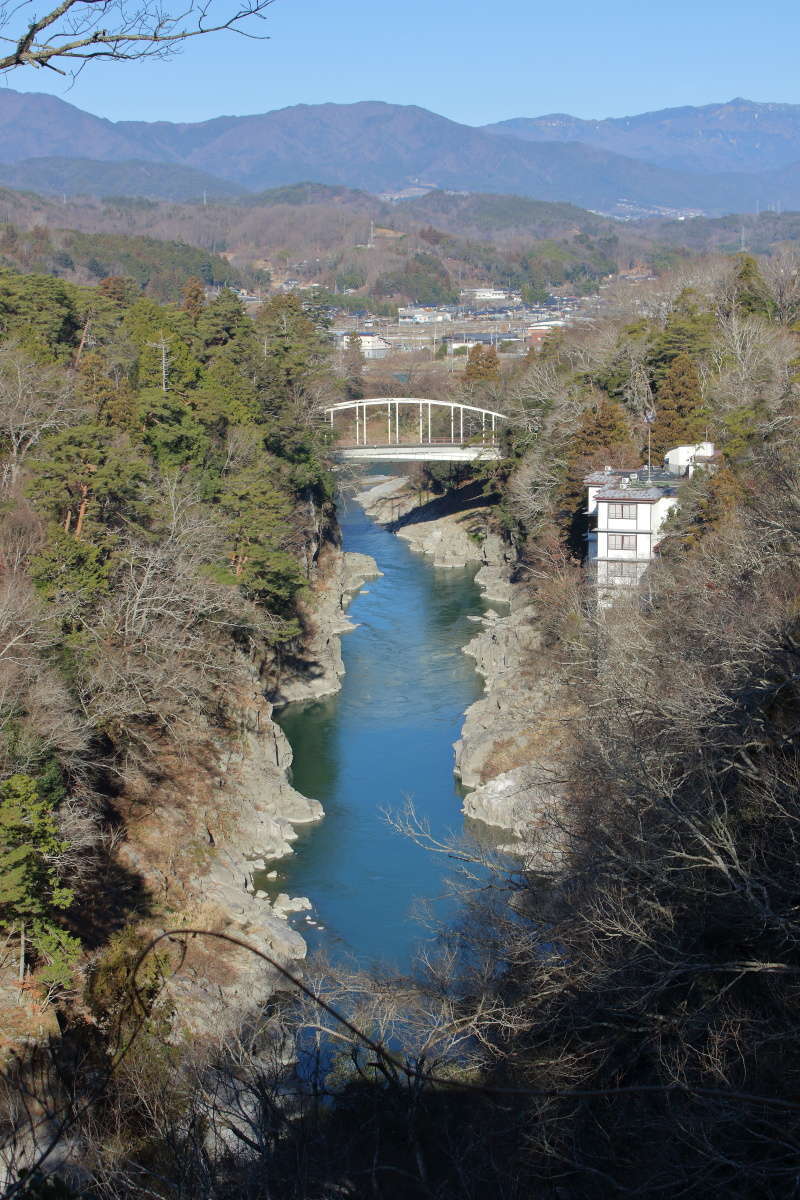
[(385, 739)]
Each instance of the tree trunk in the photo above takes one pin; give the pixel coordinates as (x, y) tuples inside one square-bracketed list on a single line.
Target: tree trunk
[(82, 510), (21, 957), (83, 340)]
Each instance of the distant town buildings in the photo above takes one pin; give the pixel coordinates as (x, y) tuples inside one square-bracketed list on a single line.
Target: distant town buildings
[(477, 295), (627, 510), (423, 316)]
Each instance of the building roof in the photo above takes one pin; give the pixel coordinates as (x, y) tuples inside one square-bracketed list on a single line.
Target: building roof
[(634, 495), (644, 475), (597, 477)]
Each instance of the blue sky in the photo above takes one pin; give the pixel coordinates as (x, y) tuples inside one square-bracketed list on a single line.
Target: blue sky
[(468, 61)]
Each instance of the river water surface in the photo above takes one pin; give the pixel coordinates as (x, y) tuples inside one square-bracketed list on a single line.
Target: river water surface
[(386, 738)]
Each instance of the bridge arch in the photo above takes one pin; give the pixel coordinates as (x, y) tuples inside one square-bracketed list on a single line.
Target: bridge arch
[(487, 435)]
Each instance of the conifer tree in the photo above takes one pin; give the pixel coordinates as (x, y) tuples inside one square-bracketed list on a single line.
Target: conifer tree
[(83, 476), (257, 522), (291, 347), (603, 438), (29, 844), (223, 326), (193, 297), (483, 365), (680, 416), (353, 365), (689, 329), (750, 289)]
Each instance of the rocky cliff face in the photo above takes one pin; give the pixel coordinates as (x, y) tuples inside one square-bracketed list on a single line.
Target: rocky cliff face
[(222, 807)]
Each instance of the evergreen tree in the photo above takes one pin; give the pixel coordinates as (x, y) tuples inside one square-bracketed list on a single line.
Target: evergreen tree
[(224, 326), (227, 395), (193, 298), (257, 522), (171, 429), (483, 365), (113, 399), (41, 314), (30, 889), (165, 341), (603, 438), (291, 347), (66, 569), (689, 330), (82, 477), (751, 293), (680, 416), (354, 367)]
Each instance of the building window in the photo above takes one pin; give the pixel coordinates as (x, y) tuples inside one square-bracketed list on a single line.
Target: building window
[(622, 541), (622, 512)]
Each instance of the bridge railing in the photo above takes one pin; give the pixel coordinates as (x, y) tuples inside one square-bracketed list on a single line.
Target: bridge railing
[(391, 413), (351, 443)]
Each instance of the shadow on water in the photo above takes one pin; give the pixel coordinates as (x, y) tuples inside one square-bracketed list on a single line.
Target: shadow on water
[(384, 739)]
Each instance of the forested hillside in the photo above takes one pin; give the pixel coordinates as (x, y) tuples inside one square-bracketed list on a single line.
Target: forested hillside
[(157, 267), (616, 1011), (163, 502), (317, 235)]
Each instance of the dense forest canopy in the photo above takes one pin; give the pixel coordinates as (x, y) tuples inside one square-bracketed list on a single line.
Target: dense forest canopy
[(157, 465)]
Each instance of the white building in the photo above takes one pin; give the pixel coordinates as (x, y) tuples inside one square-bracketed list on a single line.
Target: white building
[(627, 510), (422, 316), (478, 294), (684, 459), (372, 344)]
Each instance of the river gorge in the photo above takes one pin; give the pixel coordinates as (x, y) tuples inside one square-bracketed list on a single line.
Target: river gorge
[(384, 740)]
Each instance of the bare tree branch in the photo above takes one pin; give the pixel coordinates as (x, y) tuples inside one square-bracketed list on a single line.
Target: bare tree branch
[(77, 31)]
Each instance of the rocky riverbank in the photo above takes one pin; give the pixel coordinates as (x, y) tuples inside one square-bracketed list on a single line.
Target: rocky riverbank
[(223, 808), (507, 754)]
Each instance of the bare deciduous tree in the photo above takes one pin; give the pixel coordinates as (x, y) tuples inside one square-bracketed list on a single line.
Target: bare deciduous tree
[(76, 32), (34, 401)]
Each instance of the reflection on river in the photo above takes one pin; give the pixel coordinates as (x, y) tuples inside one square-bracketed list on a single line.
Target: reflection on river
[(385, 738)]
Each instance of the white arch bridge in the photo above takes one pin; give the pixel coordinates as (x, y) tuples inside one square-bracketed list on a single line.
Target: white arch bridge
[(413, 429)]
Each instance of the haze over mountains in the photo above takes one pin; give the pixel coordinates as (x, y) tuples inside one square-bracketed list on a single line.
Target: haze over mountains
[(737, 136), (739, 156)]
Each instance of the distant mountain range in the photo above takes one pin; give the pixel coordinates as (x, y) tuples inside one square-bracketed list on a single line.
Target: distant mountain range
[(717, 159), (737, 136)]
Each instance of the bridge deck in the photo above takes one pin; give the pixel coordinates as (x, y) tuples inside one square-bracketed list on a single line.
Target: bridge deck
[(435, 452)]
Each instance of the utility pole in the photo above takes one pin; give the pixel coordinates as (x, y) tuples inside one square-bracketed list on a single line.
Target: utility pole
[(163, 347), (649, 417)]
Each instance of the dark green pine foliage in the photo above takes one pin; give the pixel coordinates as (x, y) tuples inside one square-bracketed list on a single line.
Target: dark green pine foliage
[(690, 329), (751, 294), (85, 477), (353, 367), (223, 326), (40, 314), (31, 892), (291, 348), (681, 418), (603, 438)]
